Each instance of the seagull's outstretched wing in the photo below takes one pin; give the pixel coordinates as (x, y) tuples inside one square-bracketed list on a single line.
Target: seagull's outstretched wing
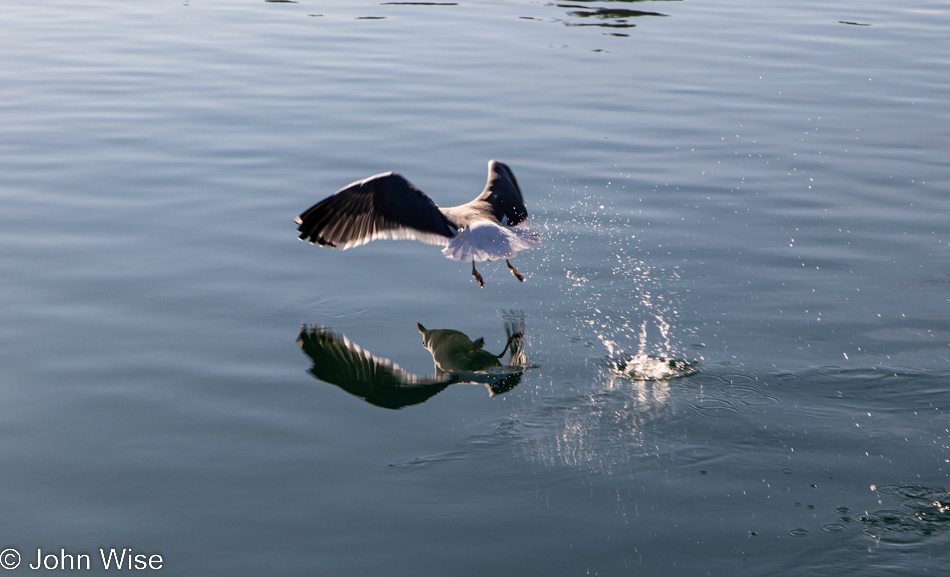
[(503, 194), (382, 206)]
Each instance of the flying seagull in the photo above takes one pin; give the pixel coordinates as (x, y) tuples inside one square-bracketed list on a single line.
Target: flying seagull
[(494, 226)]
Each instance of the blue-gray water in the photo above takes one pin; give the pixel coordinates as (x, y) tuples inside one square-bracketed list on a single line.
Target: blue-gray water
[(761, 188)]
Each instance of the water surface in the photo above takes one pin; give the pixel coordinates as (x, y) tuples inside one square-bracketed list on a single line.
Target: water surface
[(758, 190)]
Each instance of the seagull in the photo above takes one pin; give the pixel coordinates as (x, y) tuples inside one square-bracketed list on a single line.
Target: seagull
[(494, 226)]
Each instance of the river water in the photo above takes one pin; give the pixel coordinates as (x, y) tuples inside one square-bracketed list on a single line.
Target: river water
[(756, 191)]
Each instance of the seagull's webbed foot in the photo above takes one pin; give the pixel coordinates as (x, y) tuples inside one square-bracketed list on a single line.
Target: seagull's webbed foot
[(478, 277), (514, 271)]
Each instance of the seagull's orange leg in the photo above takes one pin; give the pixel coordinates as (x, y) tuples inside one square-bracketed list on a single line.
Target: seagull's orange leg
[(514, 272), (478, 277)]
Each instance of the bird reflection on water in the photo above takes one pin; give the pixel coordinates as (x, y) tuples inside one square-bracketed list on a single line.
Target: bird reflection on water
[(381, 382)]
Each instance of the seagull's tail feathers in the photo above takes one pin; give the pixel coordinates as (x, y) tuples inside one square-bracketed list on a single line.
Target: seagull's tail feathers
[(489, 241)]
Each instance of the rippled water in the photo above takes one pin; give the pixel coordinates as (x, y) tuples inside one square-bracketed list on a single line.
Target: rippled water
[(753, 197)]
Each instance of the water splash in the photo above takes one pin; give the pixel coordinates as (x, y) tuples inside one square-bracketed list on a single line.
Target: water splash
[(618, 299), (619, 313), (647, 368), (644, 366)]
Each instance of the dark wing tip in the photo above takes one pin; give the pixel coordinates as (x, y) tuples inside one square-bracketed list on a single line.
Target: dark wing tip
[(496, 163), (504, 194)]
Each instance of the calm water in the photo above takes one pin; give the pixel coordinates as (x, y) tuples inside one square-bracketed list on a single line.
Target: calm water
[(759, 188)]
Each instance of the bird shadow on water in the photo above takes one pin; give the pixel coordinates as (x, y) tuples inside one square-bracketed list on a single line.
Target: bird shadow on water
[(458, 360)]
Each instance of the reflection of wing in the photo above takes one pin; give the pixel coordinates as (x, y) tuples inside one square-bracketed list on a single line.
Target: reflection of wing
[(378, 381), (382, 206), (504, 385)]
